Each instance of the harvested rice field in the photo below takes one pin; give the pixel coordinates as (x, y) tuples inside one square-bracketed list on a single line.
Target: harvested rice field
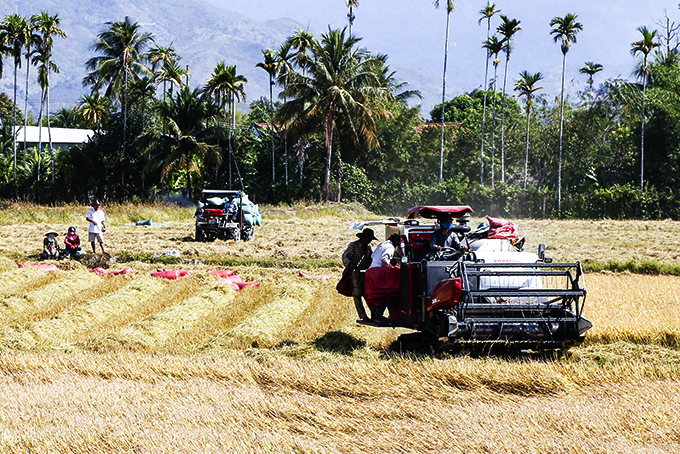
[(135, 363)]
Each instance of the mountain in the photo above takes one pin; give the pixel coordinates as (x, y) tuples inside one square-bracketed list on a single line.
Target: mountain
[(201, 33)]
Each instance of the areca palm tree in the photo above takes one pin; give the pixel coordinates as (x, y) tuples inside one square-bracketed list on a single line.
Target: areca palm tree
[(269, 64), (32, 40), (494, 46), (42, 58), (351, 4), (526, 86), (449, 9), (121, 47), (507, 29), (182, 148), (162, 56), (564, 32), (486, 13), (340, 90), (13, 36), (48, 27), (226, 87), (644, 47), (591, 69)]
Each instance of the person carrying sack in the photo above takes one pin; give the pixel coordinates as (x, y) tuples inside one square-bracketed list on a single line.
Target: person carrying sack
[(357, 257)]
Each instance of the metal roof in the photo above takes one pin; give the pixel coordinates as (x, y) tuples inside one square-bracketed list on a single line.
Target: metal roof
[(59, 135)]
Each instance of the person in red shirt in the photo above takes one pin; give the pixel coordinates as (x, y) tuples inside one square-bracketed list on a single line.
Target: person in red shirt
[(72, 242)]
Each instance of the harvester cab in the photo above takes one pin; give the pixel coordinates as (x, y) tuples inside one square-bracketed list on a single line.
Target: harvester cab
[(493, 294)]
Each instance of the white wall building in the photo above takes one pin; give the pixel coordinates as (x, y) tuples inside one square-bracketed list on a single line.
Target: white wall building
[(61, 137)]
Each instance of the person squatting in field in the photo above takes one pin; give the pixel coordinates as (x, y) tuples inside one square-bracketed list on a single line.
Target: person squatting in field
[(51, 246), (72, 242), (97, 220), (357, 257)]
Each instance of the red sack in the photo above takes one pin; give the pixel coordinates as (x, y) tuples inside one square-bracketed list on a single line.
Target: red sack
[(345, 285), (382, 286), (500, 228)]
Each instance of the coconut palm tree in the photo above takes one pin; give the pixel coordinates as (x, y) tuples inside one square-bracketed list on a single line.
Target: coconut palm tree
[(42, 58), (494, 46), (302, 41), (486, 13), (183, 147), (121, 47), (507, 29), (32, 39), (226, 87), (351, 4), (564, 32), (591, 69), (48, 27), (339, 90), (269, 64), (93, 111), (449, 9), (13, 36), (526, 86), (161, 56), (284, 59), (644, 47)]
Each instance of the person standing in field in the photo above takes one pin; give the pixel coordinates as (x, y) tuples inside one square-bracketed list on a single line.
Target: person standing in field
[(97, 220), (357, 256)]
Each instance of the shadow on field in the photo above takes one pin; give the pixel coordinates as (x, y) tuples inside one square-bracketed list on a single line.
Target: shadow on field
[(338, 342)]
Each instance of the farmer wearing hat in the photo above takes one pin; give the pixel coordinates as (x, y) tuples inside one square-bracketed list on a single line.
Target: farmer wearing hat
[(51, 246), (357, 257), (97, 221)]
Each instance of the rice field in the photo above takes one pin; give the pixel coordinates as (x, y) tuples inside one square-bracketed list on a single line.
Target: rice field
[(134, 363)]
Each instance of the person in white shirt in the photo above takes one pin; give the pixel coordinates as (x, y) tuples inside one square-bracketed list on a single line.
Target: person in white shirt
[(383, 254), (97, 221)]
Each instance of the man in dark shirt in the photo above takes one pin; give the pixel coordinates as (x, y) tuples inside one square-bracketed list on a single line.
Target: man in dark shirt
[(357, 257), (445, 237)]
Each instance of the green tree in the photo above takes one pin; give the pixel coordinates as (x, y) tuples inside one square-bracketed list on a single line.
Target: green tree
[(339, 91), (350, 16), (507, 29), (590, 69), (564, 32), (494, 46), (487, 14), (449, 9), (47, 27), (121, 56), (14, 35), (271, 67), (93, 111), (183, 150), (644, 47), (32, 40), (526, 86)]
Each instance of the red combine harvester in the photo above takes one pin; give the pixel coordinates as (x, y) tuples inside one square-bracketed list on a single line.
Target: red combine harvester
[(494, 294)]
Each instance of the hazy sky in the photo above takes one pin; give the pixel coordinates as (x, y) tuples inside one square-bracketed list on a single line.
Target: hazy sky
[(411, 32)]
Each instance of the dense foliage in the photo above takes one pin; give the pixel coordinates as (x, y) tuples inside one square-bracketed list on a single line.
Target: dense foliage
[(341, 130)]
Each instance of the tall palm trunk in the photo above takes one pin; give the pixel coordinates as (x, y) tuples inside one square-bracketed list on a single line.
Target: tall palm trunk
[(43, 96), (49, 128), (446, 54), (642, 130), (486, 88), (526, 153), (122, 170), (505, 82), (14, 124), (559, 165), (493, 130), (28, 66), (271, 124)]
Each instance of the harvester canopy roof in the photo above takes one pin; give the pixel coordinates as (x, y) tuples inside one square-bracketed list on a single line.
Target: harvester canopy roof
[(439, 211)]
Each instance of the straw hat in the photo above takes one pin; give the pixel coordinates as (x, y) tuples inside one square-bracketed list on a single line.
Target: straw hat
[(52, 232)]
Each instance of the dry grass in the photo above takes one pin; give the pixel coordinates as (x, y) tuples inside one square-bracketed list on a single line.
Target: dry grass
[(138, 364)]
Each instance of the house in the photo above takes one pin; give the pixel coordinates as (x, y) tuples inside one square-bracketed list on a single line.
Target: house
[(63, 138)]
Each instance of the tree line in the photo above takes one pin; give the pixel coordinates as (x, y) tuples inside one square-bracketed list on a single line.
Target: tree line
[(341, 127)]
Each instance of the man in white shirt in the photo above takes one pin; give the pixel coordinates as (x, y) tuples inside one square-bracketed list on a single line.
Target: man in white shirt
[(383, 254), (97, 221)]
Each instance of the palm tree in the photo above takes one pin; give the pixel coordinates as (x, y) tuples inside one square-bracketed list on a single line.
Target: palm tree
[(591, 69), (226, 87), (449, 9), (270, 66), (526, 86), (644, 46), (486, 13), (565, 31), (507, 29), (302, 41), (48, 27), (121, 47), (159, 55), (183, 148), (93, 111), (42, 58), (13, 36), (351, 4), (32, 39), (284, 58), (494, 46), (340, 90)]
